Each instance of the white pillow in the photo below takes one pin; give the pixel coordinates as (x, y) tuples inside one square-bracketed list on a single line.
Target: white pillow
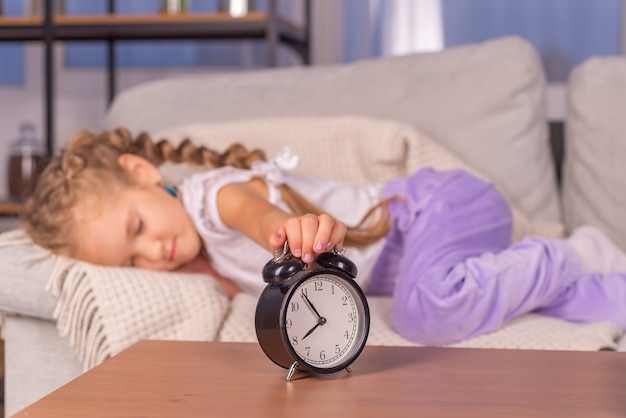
[(594, 176)]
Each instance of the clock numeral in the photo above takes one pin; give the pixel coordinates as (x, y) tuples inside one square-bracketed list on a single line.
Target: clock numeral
[(288, 323), (351, 317), (304, 291), (322, 355), (344, 298), (294, 340), (318, 286), (295, 307), (332, 289), (337, 349), (346, 334)]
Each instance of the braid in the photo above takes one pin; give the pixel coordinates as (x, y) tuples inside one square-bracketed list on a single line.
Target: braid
[(235, 155), (89, 167)]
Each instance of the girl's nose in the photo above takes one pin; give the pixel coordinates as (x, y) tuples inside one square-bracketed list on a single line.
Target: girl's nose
[(152, 250)]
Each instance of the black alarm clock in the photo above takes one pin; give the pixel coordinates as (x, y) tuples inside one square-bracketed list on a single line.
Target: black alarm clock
[(312, 317)]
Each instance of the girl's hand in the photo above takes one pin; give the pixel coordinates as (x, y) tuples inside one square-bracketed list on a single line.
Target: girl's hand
[(309, 235)]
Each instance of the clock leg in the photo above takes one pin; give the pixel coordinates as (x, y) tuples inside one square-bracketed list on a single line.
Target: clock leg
[(292, 370), (349, 370)]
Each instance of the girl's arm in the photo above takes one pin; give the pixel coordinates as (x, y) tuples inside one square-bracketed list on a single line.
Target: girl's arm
[(245, 207)]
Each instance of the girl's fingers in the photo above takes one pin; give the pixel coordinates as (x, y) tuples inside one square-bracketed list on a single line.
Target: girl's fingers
[(309, 228), (293, 230), (309, 235), (323, 236), (277, 240), (337, 235)]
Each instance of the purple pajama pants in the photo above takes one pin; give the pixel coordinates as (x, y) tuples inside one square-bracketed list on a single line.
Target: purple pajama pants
[(454, 274)]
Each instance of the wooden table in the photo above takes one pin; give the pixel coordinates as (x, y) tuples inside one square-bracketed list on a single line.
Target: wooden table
[(202, 379)]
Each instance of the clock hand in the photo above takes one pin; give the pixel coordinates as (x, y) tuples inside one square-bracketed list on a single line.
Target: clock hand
[(320, 321), (308, 302), (311, 330)]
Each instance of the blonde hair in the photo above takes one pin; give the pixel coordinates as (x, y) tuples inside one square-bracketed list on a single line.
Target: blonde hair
[(89, 166)]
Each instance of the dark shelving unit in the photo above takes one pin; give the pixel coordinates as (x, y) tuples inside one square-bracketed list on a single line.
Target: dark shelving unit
[(268, 26)]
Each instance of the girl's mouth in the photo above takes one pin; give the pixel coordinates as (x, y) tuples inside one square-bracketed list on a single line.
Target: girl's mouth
[(173, 252)]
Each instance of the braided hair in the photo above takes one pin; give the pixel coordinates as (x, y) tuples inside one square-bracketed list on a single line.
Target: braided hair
[(89, 167)]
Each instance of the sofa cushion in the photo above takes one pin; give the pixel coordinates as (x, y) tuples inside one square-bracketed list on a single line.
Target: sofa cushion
[(484, 102), (594, 178)]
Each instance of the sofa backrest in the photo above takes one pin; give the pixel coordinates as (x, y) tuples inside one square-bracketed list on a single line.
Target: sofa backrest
[(594, 171), (484, 102)]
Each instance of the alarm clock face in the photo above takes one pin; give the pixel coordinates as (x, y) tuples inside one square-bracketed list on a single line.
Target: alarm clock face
[(325, 321)]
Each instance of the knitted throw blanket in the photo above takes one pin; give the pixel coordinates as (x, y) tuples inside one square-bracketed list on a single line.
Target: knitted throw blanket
[(103, 310)]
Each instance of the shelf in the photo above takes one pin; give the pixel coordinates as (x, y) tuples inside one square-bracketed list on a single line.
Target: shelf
[(161, 26), (11, 208), (21, 28)]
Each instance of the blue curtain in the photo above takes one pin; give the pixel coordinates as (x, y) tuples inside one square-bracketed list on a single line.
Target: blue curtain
[(12, 53)]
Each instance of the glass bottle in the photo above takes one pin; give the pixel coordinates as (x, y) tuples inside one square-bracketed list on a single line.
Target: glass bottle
[(237, 8), (26, 162), (173, 6)]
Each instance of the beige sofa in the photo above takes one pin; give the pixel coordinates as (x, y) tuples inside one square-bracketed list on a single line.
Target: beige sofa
[(479, 106)]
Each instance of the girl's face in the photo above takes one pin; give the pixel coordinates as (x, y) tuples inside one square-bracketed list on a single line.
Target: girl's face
[(140, 225)]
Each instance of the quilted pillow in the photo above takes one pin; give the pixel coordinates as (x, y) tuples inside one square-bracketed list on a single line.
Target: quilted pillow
[(353, 149)]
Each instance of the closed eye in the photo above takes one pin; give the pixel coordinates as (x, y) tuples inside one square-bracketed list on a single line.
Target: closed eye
[(138, 226), (136, 231)]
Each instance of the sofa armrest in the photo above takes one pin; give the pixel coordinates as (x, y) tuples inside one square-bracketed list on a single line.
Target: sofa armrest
[(23, 277)]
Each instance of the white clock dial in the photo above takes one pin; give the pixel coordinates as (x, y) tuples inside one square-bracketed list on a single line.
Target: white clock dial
[(324, 321)]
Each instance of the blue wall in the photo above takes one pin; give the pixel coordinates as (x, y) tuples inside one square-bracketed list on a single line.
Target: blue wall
[(12, 53), (566, 32)]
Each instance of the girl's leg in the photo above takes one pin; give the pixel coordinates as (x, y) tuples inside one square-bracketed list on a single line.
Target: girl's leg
[(456, 277), (594, 297), (445, 301), (442, 208), (597, 252)]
